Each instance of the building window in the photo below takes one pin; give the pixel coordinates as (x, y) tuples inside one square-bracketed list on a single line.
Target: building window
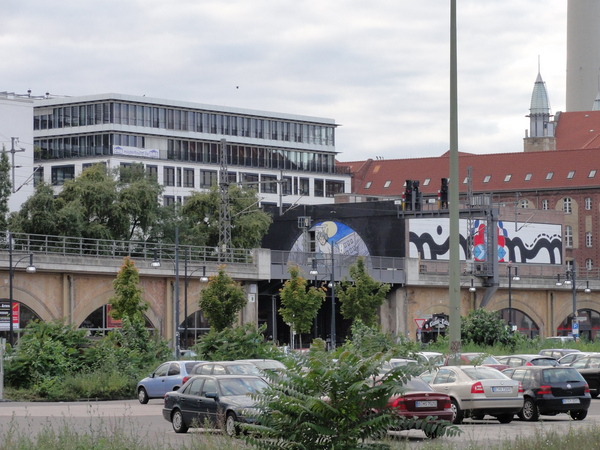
[(528, 177), (524, 203), (487, 178), (589, 264), (588, 239), (592, 174), (188, 178), (152, 171), (549, 175), (588, 203), (333, 187), (169, 176), (425, 183), (569, 236), (319, 187), (571, 174), (388, 182), (269, 184), (368, 184), (507, 178), (60, 174), (249, 181), (545, 204), (208, 178), (168, 200), (303, 186), (567, 207), (38, 175), (287, 186)]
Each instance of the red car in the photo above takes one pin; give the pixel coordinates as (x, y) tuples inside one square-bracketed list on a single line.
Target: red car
[(475, 359), (421, 401)]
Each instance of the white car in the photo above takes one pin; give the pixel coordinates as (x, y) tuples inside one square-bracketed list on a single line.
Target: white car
[(476, 391)]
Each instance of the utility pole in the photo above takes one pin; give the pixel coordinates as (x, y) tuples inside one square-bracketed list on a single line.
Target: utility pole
[(13, 150), (224, 251)]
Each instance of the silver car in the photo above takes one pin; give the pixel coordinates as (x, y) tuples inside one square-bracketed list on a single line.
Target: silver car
[(476, 391)]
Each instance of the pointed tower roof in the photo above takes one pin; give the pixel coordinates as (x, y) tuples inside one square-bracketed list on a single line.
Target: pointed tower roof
[(596, 105), (539, 98)]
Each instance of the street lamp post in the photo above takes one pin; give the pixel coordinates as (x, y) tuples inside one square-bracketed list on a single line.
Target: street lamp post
[(571, 278), (11, 275), (511, 277)]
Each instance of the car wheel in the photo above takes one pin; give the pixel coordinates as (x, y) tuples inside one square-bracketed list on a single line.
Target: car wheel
[(530, 411), (231, 427), (178, 423), (143, 396), (505, 418), (578, 415), (457, 414)]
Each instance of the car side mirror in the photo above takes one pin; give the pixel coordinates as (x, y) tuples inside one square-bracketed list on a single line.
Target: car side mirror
[(212, 395)]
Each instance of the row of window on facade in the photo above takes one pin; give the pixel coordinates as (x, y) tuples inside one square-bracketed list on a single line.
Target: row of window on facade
[(186, 177), (567, 204), (204, 152), (184, 120)]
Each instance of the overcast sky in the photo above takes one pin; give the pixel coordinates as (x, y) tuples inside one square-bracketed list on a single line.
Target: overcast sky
[(380, 68)]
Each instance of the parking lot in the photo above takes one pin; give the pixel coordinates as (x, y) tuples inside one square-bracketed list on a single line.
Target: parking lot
[(148, 422)]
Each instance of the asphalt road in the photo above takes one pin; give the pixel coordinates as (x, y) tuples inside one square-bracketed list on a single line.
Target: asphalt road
[(31, 417)]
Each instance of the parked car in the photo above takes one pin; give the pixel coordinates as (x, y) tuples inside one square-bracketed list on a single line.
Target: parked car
[(224, 368), (218, 399), (433, 358), (476, 391), (266, 364), (164, 379), (558, 352), (396, 362), (560, 339), (589, 367), (421, 401), (550, 391), (527, 360), (479, 359), (572, 357)]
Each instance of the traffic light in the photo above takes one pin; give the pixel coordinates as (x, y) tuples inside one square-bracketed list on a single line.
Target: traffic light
[(408, 195), (416, 195), (443, 194)]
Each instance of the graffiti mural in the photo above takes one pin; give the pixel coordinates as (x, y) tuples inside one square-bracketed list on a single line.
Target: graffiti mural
[(531, 243), (334, 237)]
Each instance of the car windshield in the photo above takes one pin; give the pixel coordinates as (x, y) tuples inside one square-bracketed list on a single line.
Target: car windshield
[(483, 373), (561, 375), (481, 359), (242, 386)]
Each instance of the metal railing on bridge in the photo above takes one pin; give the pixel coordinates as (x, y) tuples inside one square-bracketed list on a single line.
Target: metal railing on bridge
[(101, 248)]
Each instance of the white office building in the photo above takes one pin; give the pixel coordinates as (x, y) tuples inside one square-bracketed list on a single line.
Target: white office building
[(289, 158), (16, 138)]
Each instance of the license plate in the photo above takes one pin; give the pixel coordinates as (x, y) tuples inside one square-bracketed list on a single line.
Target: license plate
[(426, 404), (570, 400), (501, 389)]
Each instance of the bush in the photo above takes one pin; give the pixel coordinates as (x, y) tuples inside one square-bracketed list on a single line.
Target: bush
[(329, 401), (244, 342)]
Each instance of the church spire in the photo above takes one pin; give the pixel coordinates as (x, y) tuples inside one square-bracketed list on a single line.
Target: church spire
[(539, 111)]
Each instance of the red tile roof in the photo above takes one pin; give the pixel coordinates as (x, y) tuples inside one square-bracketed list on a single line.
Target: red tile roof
[(507, 172), (578, 129)]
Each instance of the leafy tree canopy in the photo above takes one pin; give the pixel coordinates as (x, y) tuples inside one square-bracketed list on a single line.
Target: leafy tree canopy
[(5, 188), (127, 301), (222, 300), (361, 299), (484, 328)]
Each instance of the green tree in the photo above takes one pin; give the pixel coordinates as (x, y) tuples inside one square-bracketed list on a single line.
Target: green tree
[(299, 306), (138, 199), (200, 216), (484, 328), (361, 298), (244, 342), (38, 215), (95, 191), (5, 188), (222, 300), (127, 301)]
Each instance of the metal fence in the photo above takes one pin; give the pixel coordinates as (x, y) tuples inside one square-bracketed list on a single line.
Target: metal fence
[(101, 248)]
